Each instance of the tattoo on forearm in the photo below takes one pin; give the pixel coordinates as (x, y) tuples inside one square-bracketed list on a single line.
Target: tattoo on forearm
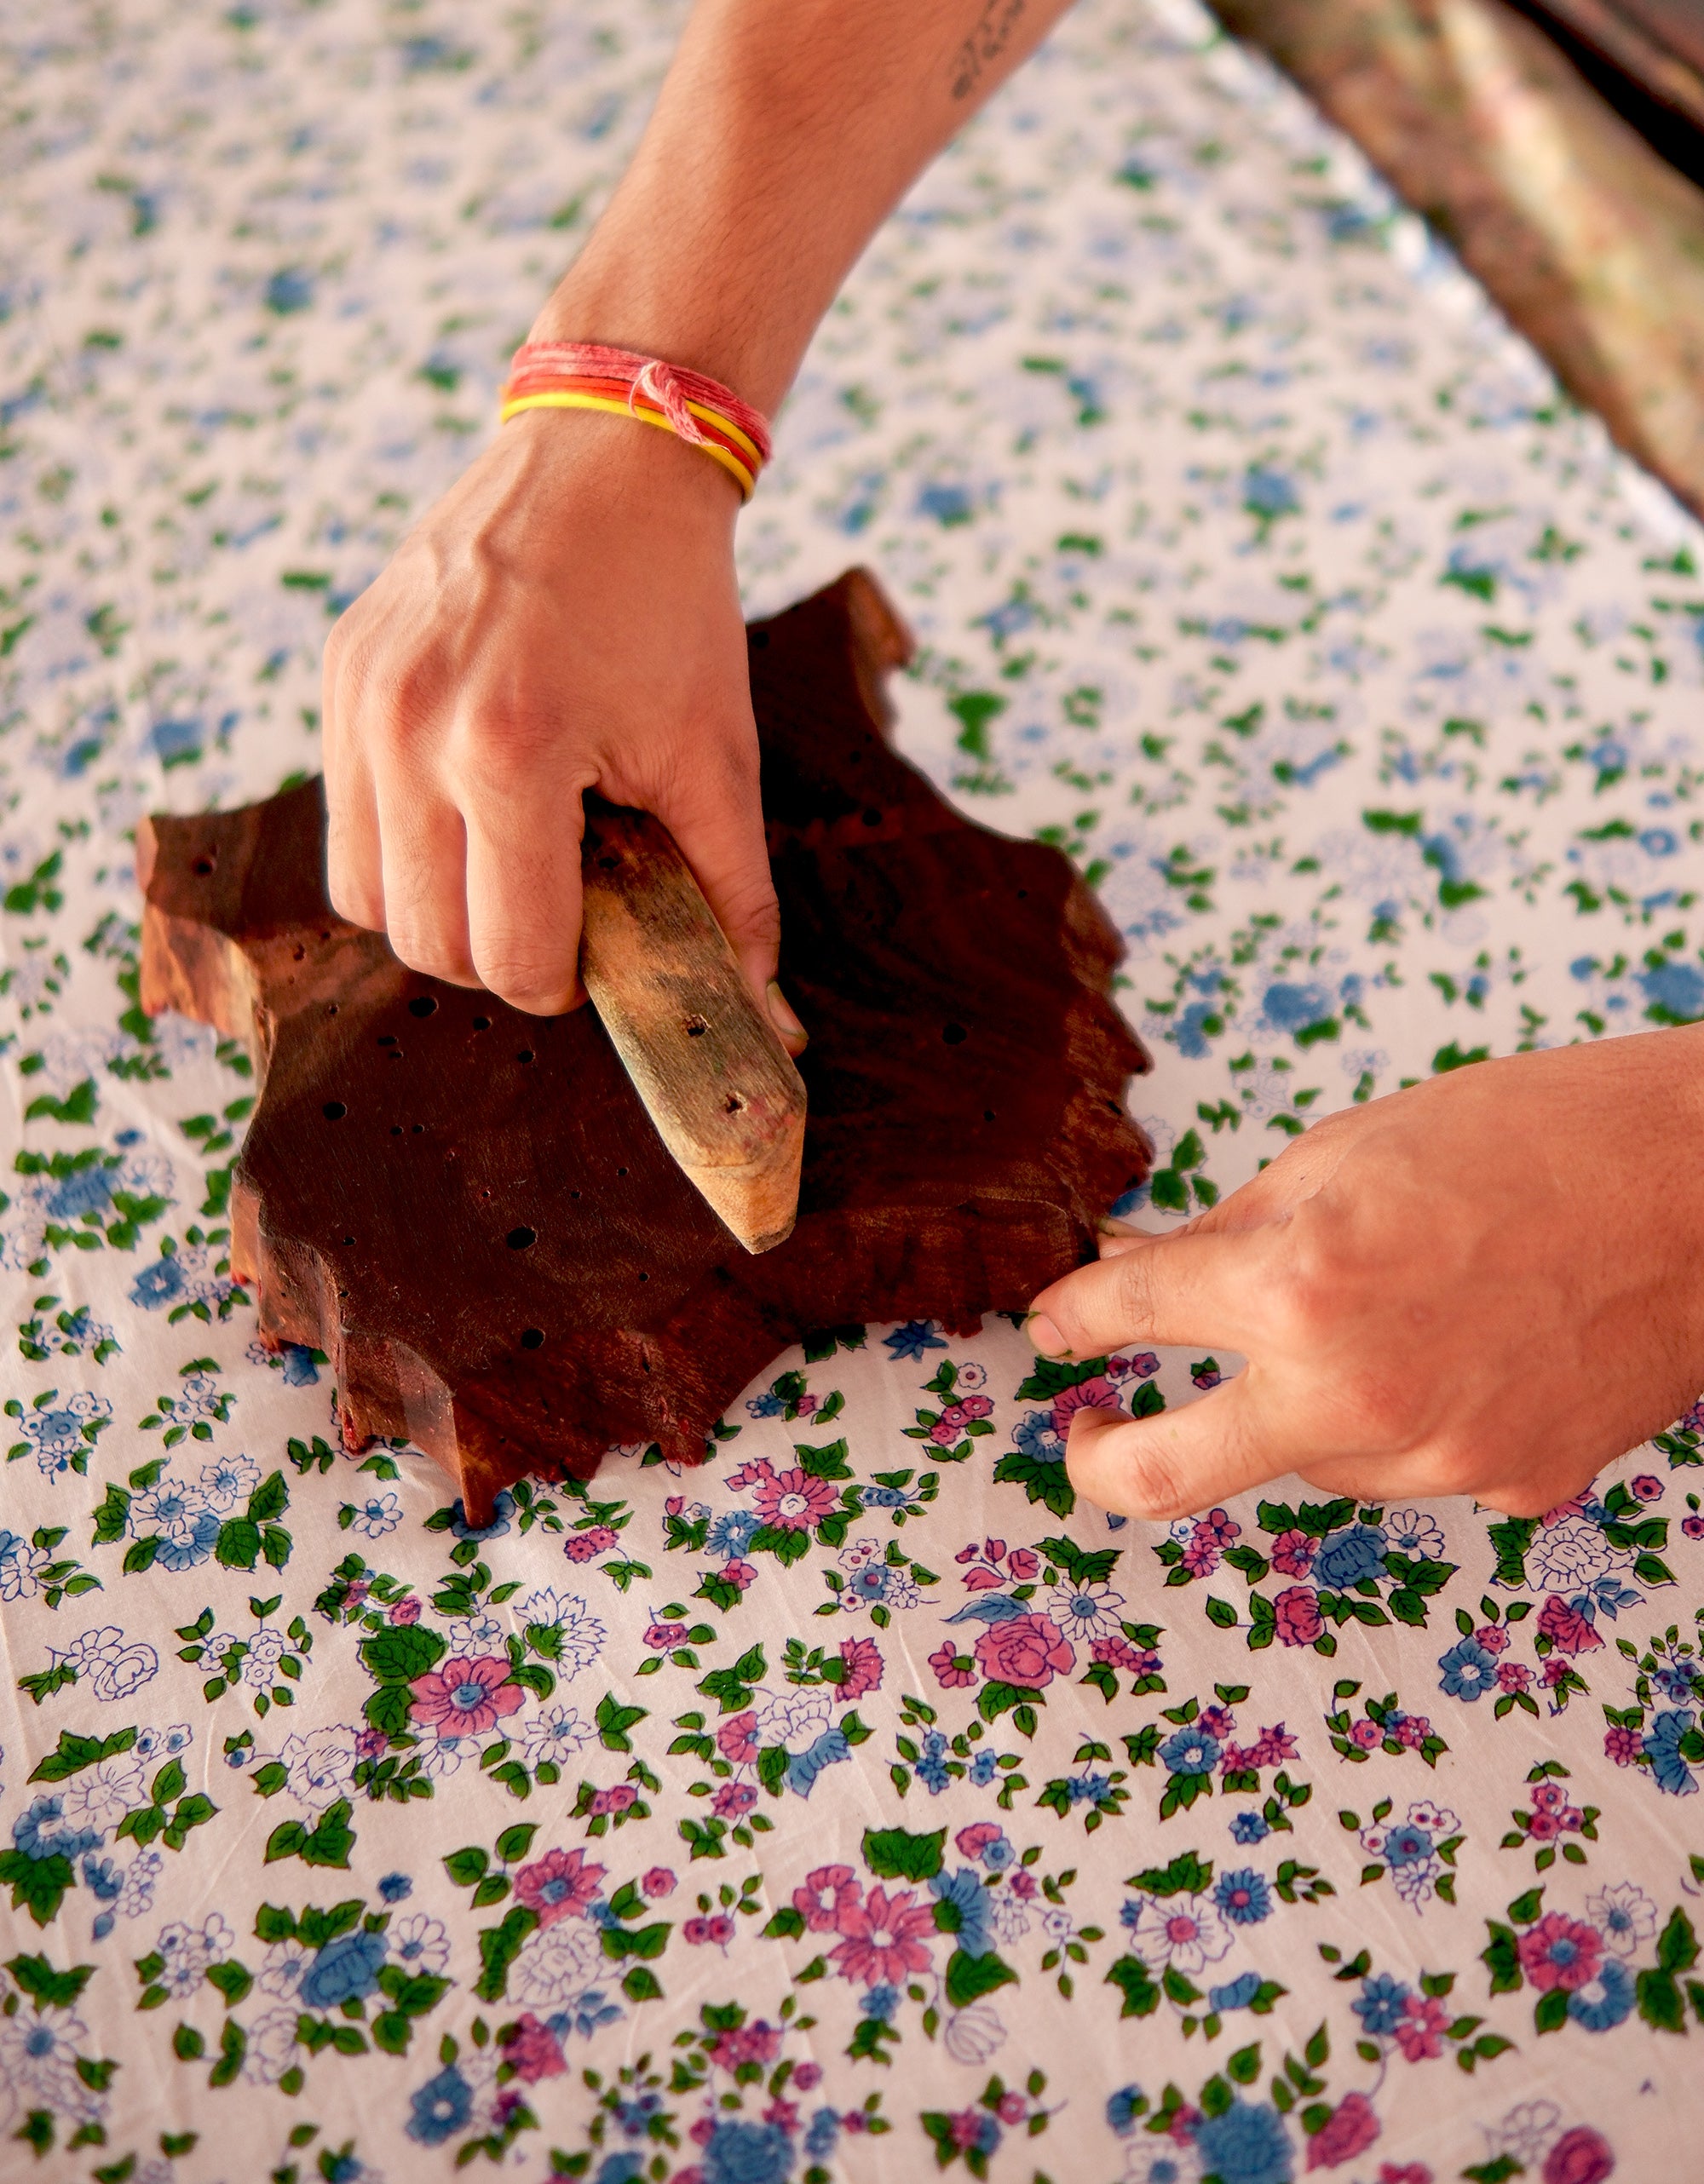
[(989, 39)]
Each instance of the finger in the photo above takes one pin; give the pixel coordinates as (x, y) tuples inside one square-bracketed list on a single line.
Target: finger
[(1178, 1462), (423, 853), (1184, 1287), (523, 896), (354, 868), (718, 826)]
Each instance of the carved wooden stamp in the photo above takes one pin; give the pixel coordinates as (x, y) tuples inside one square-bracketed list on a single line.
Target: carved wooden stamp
[(469, 1209)]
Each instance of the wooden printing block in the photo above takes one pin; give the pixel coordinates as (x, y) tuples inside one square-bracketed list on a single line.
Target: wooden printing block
[(469, 1209)]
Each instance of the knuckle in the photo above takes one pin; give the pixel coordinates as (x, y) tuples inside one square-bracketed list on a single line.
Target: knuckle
[(431, 955), (1155, 1486), (1132, 1288), (538, 983)]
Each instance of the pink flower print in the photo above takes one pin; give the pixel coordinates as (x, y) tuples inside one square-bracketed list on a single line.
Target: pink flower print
[(739, 1573), (1023, 1885), (1237, 1759), (1513, 1676), (994, 1550), (826, 1894), (861, 1660), (658, 1881), (1365, 1735), (1293, 1553), (1693, 1526), (1349, 2130), (1567, 1628), (1096, 1395), (976, 1406), (808, 2076), (660, 1636), (733, 1800), (1645, 1488), (792, 1501), (465, 1697), (1201, 1555), (757, 2044), (966, 2126), (1556, 1669), (559, 1885), (1141, 1366), (617, 1800), (1224, 1529), (952, 1671), (1219, 1722), (372, 1744), (1013, 2108), (1120, 1654), (1276, 1743), (1580, 2156), (1493, 1637), (404, 1611), (699, 1931), (1296, 1613), (1543, 1827), (973, 1841), (943, 1433), (1022, 1564), (675, 1504), (1560, 1951), (955, 1414), (1570, 1819), (534, 2050), (595, 1539), (1421, 2027), (1548, 1796), (1413, 1730), (782, 2113), (1404, 2172), (886, 1941), (982, 1579), (1623, 1746), (737, 1739), (1571, 1508), (1028, 1650), (808, 1405)]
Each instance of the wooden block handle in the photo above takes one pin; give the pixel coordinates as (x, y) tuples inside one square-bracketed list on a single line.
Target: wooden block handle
[(704, 1058)]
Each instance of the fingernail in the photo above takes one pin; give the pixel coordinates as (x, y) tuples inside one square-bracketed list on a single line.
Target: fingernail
[(1110, 1226), (782, 1017), (1046, 1337)]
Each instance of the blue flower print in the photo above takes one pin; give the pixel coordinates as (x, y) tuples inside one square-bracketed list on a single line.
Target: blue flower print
[(344, 1970), (502, 1509), (1190, 1751), (190, 1542), (732, 1533), (1243, 1897), (1605, 1999), (880, 2003), (999, 1854), (821, 2134), (1123, 2108), (1470, 1669), (1380, 2003), (1038, 1438), (964, 1891), (441, 2107), (1663, 1748), (1407, 1845), (768, 1405), (160, 1284), (1235, 1994), (1249, 1827), (911, 1341), (931, 1763), (1349, 1557), (743, 2152), (981, 1774), (1246, 2144), (39, 1831), (297, 1364), (620, 2168), (394, 1886)]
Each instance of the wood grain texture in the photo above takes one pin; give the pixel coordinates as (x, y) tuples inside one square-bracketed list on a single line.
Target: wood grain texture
[(709, 1066), (468, 1209)]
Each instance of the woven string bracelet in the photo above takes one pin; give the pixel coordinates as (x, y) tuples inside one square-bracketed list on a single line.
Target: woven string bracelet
[(587, 375)]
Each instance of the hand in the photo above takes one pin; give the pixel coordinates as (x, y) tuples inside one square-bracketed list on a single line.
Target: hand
[(566, 618), (1488, 1285)]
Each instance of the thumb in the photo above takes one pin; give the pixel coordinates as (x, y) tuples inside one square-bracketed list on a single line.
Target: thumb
[(718, 827), (1178, 1462)]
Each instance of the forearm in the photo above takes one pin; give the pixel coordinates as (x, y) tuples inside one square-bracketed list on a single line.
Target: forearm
[(785, 132)]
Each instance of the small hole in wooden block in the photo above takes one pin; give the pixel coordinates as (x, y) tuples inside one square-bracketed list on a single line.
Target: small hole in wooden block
[(348, 1240), (396, 1129), (423, 1004), (987, 1114), (522, 1239), (395, 1054), (297, 955), (696, 1027), (573, 1194), (609, 864), (204, 865), (621, 1171), (954, 1034), (415, 1128), (334, 1111), (525, 1054), (533, 1338), (644, 1278), (331, 1008), (387, 1038), (733, 1105), (758, 639), (872, 819), (481, 1023)]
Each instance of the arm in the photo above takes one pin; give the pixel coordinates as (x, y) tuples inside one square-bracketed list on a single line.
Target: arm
[(567, 616)]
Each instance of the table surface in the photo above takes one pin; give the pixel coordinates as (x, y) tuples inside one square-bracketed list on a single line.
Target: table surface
[(855, 1804)]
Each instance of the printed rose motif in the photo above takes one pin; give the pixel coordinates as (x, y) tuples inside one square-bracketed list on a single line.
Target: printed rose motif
[(559, 1885), (1096, 1395), (1349, 2130), (465, 1697), (1293, 1553), (534, 2050), (1580, 2156), (1296, 1613), (1560, 1951), (1030, 1650), (737, 1737), (1569, 1629)]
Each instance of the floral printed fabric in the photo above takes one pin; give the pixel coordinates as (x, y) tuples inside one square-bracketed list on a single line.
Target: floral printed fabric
[(858, 1805)]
